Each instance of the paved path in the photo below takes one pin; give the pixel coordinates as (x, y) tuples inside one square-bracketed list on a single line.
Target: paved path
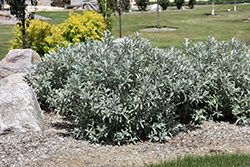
[(13, 20)]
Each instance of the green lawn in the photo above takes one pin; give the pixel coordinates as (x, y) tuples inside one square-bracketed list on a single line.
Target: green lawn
[(194, 24), (217, 160), (5, 36)]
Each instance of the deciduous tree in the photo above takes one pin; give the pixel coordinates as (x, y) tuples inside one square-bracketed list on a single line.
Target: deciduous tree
[(18, 9)]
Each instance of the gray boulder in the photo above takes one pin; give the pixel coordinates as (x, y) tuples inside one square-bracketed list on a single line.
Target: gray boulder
[(19, 109), (19, 59)]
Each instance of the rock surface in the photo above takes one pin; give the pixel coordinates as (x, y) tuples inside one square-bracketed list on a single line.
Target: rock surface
[(19, 109), (19, 59)]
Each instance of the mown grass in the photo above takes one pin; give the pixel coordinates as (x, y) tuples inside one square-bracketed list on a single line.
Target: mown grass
[(5, 35), (216, 160), (194, 24)]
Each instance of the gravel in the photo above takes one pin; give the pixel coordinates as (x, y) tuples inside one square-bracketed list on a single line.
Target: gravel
[(55, 147), (13, 20)]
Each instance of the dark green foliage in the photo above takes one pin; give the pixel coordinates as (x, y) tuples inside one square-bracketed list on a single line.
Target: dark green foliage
[(179, 3), (101, 4), (164, 4), (142, 4), (129, 91), (126, 5), (191, 3), (17, 8)]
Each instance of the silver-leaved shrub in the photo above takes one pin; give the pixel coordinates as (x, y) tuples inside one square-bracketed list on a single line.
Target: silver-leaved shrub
[(128, 91)]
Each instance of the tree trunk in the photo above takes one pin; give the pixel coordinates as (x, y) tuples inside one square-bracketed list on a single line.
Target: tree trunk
[(158, 16), (120, 24), (23, 32)]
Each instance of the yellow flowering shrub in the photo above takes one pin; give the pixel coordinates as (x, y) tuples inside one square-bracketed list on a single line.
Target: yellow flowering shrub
[(78, 27), (40, 36)]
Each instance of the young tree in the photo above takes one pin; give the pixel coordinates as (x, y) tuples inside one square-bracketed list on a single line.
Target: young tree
[(213, 8), (214, 2), (164, 4), (191, 3), (142, 4), (106, 10), (119, 7), (18, 9), (179, 3)]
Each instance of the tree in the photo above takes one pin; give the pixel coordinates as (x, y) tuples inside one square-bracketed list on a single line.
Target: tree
[(213, 8), (179, 3), (214, 2), (106, 10), (142, 4), (119, 7), (191, 3), (164, 4), (18, 9)]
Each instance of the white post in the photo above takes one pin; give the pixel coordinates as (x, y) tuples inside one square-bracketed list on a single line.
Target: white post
[(213, 9), (235, 5)]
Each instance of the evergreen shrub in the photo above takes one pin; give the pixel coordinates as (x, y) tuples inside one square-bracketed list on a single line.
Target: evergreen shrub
[(142, 4), (128, 91), (191, 3), (164, 4), (179, 3), (126, 5), (101, 4)]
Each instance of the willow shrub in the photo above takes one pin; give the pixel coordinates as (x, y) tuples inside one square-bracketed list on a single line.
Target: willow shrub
[(42, 37), (126, 92)]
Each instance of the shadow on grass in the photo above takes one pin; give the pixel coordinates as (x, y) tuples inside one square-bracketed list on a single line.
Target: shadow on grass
[(210, 15)]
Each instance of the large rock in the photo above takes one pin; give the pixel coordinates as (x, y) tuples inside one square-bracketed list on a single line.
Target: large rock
[(19, 109), (19, 59)]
